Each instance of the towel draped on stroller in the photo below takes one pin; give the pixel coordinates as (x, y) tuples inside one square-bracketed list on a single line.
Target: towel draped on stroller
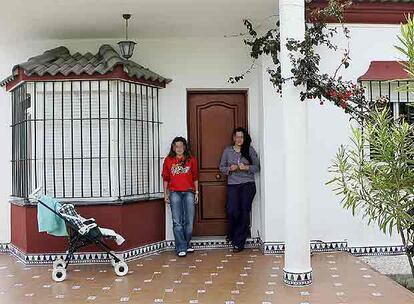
[(80, 231)]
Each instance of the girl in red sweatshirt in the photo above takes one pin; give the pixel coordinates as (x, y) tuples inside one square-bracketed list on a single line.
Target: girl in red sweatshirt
[(180, 176)]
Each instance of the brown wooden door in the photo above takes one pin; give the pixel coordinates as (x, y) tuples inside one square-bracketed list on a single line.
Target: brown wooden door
[(212, 116)]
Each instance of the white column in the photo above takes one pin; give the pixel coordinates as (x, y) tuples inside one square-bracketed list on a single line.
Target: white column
[(297, 270)]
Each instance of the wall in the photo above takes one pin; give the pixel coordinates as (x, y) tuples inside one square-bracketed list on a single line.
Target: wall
[(207, 63), (329, 128), (191, 63)]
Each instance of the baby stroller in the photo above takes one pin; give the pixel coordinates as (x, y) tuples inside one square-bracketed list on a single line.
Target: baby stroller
[(81, 232)]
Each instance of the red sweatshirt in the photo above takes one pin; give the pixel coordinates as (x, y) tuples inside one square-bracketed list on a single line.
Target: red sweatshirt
[(180, 177)]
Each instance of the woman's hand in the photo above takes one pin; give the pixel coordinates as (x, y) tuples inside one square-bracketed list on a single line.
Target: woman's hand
[(244, 167), (166, 198), (196, 198), (234, 168)]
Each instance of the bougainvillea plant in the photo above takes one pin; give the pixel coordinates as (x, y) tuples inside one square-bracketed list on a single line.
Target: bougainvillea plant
[(306, 60)]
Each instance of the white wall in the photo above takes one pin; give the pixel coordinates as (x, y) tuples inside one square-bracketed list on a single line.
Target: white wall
[(207, 63), (329, 128), (272, 156), (191, 63), (195, 64)]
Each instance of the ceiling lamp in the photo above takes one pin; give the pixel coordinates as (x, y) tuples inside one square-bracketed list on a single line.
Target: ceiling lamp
[(126, 46)]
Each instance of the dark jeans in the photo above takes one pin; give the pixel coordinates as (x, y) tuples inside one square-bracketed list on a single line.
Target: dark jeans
[(182, 209), (239, 206)]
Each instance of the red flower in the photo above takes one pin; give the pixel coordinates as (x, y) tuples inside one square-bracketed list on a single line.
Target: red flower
[(348, 94), (343, 104)]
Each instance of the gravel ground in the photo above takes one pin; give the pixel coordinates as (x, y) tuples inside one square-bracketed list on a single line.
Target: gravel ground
[(397, 264)]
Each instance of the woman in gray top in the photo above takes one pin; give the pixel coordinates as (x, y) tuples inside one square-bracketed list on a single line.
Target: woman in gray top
[(239, 162)]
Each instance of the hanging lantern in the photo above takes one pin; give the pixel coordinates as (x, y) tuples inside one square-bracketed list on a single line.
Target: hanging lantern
[(126, 46)]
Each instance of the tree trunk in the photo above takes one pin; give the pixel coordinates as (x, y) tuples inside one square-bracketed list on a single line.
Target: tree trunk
[(408, 254)]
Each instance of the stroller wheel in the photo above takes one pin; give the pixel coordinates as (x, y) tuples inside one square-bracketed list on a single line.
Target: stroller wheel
[(59, 263), (121, 269), (119, 256), (59, 274)]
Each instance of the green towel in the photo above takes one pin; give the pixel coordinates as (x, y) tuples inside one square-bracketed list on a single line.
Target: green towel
[(47, 220)]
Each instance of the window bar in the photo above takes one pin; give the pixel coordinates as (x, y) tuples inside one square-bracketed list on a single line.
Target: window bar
[(71, 138), (109, 142), (63, 147), (158, 141), (389, 91), (18, 173), (26, 146), (53, 138), (148, 158), (81, 132), (90, 137), (21, 157), (20, 146), (35, 132), (398, 92), (13, 144), (18, 170), (153, 140), (130, 138), (142, 143), (380, 88), (408, 92), (119, 168), (27, 154), (24, 141), (20, 140), (123, 131), (100, 139), (19, 113), (25, 132), (136, 135), (44, 139)]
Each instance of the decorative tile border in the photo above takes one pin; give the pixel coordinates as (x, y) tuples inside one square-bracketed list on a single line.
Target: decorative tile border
[(4, 247), (377, 250), (217, 244), (140, 252), (279, 247), (297, 279), (273, 247), (86, 257), (329, 246)]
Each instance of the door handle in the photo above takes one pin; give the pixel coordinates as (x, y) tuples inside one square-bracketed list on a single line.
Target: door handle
[(218, 176)]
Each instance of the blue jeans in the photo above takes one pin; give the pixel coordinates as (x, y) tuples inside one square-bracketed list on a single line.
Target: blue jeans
[(239, 206), (182, 209)]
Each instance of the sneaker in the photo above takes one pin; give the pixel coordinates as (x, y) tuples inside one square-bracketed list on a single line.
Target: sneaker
[(237, 249), (182, 254), (190, 250)]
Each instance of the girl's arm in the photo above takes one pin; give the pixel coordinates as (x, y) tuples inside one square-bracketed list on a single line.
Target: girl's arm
[(166, 181), (166, 192), (255, 166), (224, 166), (196, 195)]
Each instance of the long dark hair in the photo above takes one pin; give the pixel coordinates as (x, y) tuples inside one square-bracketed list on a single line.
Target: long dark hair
[(187, 153), (247, 140)]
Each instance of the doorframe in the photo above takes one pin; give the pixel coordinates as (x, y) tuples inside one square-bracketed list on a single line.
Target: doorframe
[(217, 91), (245, 92)]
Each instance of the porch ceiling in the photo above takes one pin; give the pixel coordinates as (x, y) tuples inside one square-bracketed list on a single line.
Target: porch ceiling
[(87, 19)]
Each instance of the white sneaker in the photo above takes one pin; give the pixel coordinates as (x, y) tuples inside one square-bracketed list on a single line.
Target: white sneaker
[(182, 254), (190, 250)]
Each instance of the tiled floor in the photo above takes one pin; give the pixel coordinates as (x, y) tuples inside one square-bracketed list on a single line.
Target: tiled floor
[(215, 276)]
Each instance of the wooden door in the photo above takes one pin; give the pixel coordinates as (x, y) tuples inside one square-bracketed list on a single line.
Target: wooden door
[(212, 116)]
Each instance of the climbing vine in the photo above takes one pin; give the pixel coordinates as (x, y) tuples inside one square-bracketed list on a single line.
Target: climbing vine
[(306, 60)]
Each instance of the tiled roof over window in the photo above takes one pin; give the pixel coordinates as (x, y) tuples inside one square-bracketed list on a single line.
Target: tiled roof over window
[(60, 61)]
